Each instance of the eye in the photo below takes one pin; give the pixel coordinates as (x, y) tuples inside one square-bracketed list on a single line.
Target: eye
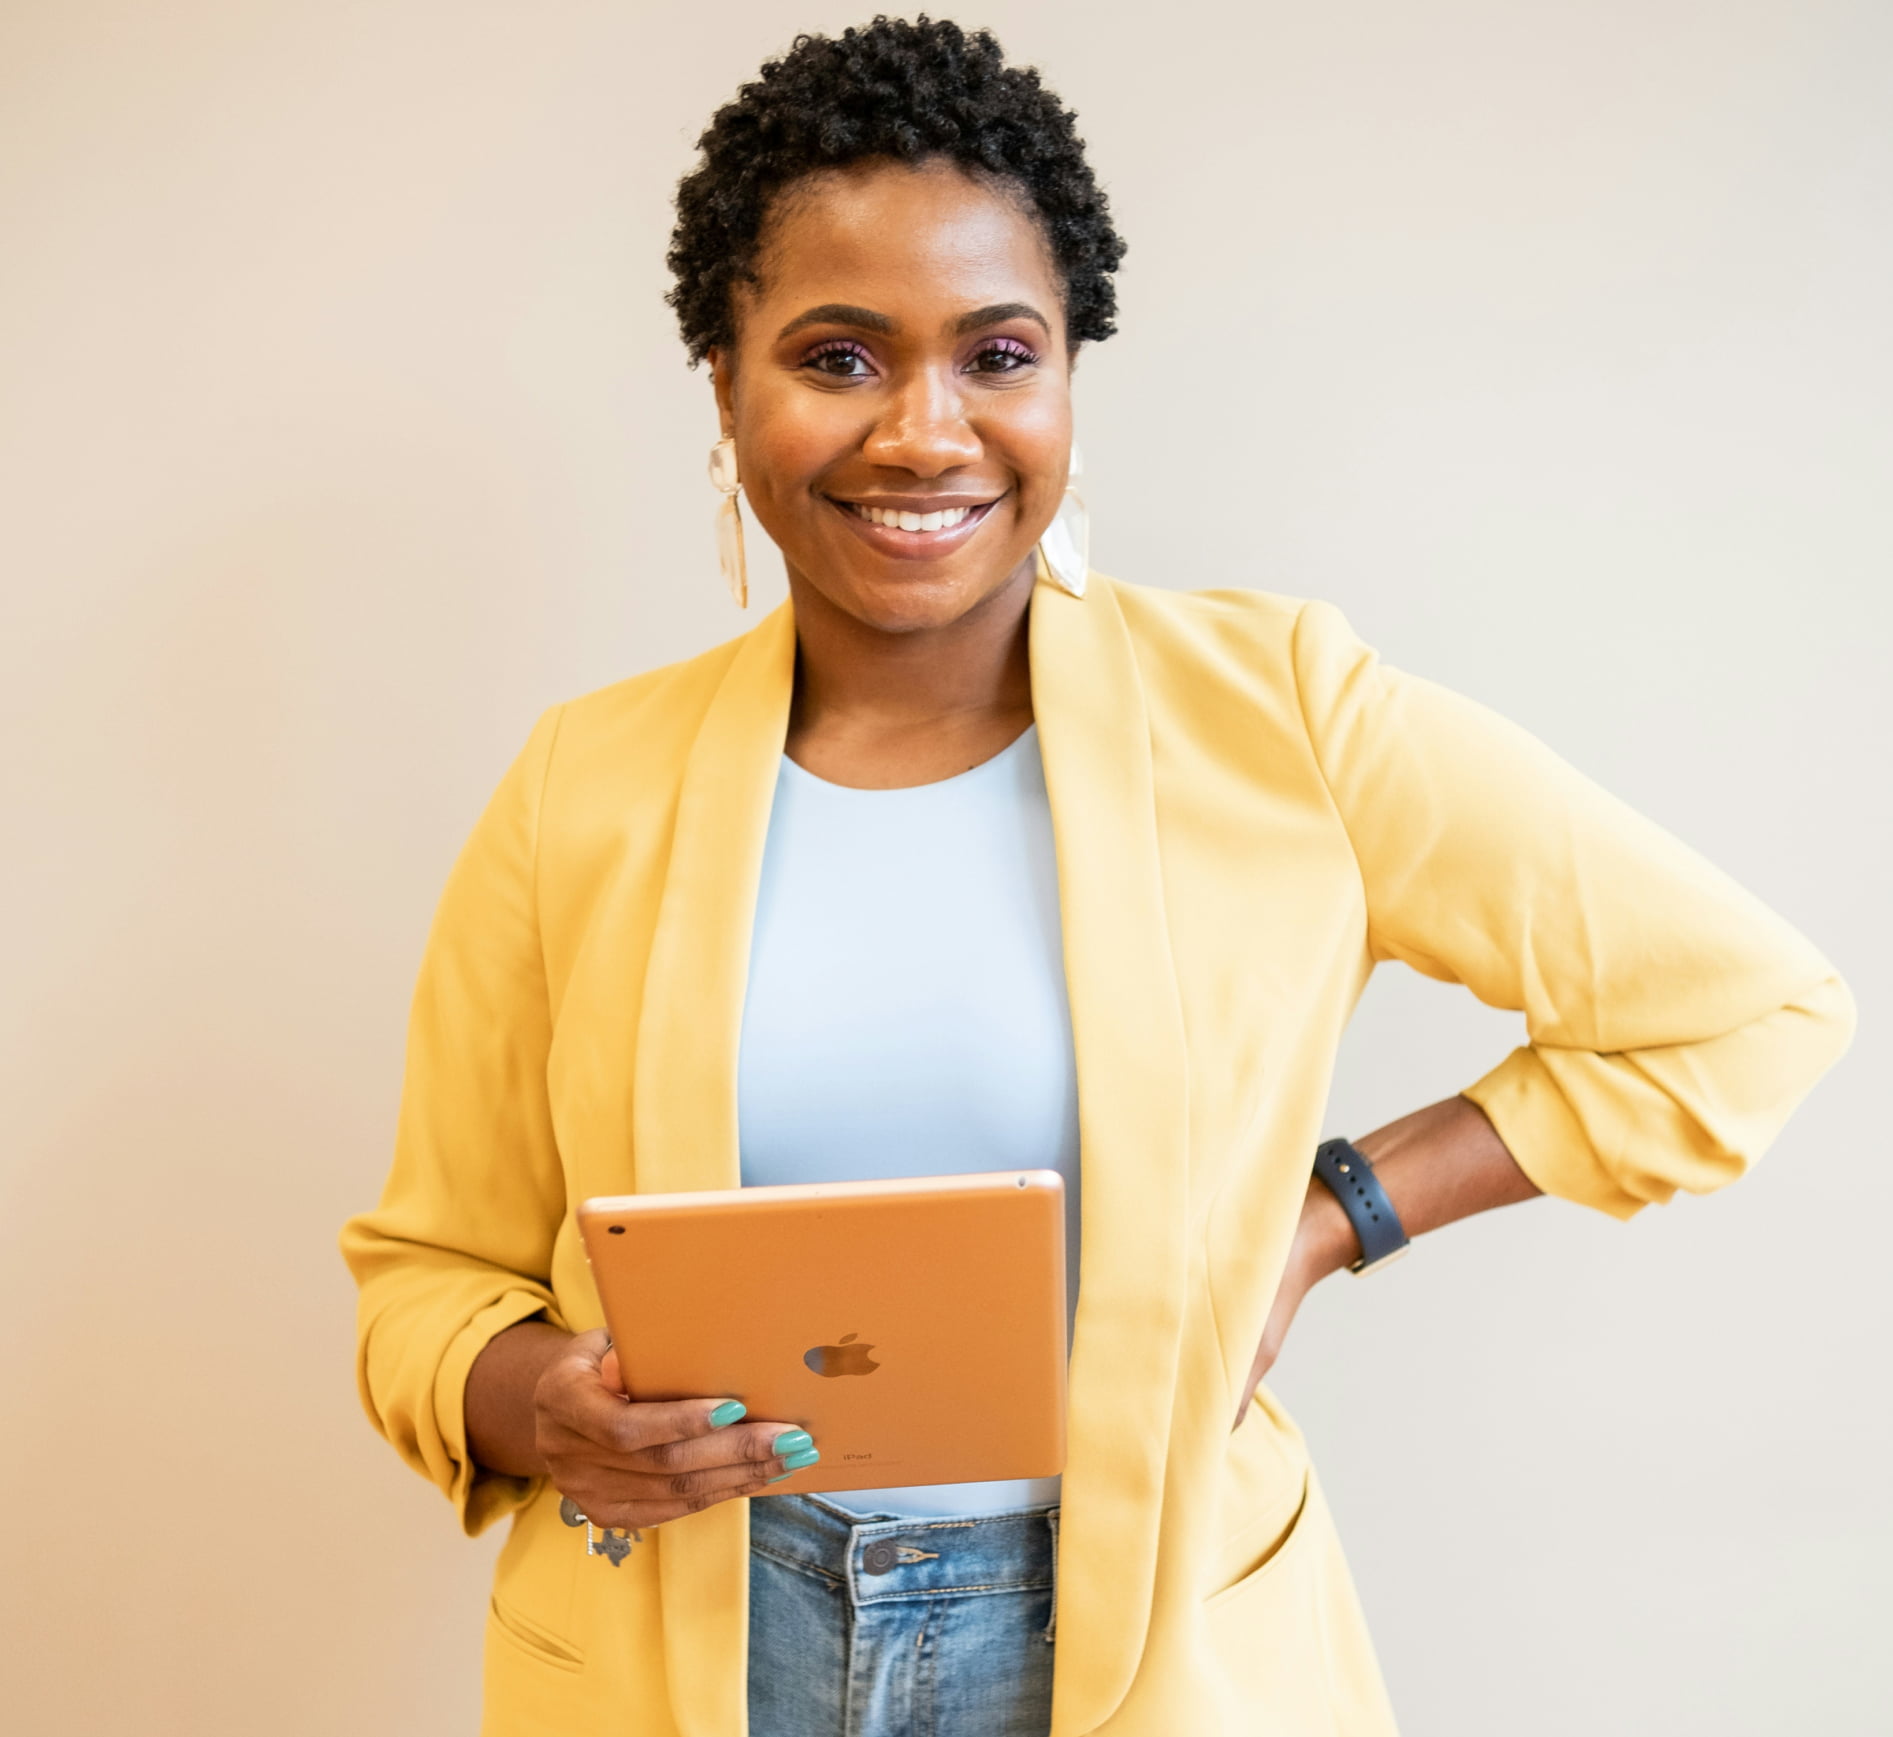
[(1002, 356), (839, 359)]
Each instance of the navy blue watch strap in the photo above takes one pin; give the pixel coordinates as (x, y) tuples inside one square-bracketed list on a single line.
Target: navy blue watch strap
[(1342, 1167)]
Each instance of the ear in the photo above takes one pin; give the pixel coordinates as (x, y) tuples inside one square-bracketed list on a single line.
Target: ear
[(723, 383)]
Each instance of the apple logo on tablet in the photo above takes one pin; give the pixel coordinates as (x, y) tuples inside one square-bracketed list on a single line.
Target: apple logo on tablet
[(847, 1358)]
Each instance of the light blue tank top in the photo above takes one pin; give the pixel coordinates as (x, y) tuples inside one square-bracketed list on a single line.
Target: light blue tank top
[(906, 1010)]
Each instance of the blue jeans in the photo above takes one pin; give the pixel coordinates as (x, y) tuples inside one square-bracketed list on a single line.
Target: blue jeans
[(877, 1627)]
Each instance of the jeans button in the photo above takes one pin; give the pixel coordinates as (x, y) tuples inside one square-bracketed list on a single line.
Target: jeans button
[(879, 1557)]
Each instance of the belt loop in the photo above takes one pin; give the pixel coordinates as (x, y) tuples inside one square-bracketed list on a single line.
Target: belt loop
[(1051, 1626)]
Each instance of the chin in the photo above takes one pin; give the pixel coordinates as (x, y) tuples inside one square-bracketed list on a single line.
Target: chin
[(912, 608), (905, 601)]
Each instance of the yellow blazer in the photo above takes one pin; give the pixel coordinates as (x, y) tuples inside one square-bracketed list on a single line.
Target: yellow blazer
[(1250, 812)]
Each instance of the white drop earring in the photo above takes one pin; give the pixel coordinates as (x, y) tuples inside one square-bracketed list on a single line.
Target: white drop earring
[(729, 520), (1066, 545)]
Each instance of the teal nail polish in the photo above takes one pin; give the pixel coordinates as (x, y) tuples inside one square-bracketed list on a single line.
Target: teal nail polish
[(792, 1441), (728, 1412), (776, 1479), (800, 1461)]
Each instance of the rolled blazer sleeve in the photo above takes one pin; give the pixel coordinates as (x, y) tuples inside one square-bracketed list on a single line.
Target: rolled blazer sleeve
[(460, 1246), (1674, 1021)]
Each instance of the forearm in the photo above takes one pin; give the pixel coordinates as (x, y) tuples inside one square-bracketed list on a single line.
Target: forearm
[(502, 1423), (1438, 1164)]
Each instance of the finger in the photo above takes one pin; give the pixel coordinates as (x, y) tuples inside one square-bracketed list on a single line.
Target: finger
[(585, 1406), (638, 1501), (748, 1443), (646, 1489), (574, 1373), (587, 1349), (682, 1471), (669, 1458), (585, 1394)]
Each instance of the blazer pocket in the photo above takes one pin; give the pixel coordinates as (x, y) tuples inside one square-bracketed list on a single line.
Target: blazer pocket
[(531, 1639), (1262, 1487), (1275, 1549), (1265, 1651)]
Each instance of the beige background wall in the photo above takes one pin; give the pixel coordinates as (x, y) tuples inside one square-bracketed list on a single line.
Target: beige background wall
[(342, 428)]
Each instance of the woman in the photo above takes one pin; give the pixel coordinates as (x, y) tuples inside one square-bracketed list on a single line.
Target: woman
[(962, 857)]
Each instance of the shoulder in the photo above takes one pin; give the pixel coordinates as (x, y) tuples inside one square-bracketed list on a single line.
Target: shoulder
[(1261, 640), (683, 688), (1215, 612), (636, 727)]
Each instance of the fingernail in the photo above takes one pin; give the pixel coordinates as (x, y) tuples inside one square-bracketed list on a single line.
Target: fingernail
[(728, 1412), (798, 1462), (776, 1479), (792, 1441)]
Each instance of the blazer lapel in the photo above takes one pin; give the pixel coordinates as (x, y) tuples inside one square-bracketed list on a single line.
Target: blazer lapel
[(684, 1105), (684, 1111), (1127, 1027)]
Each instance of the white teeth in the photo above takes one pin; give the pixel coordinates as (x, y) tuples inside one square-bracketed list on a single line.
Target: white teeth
[(941, 521)]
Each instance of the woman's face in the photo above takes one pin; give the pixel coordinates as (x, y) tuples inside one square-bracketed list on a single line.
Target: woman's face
[(900, 391)]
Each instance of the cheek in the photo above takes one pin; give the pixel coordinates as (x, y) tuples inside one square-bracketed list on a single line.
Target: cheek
[(784, 454), (1035, 442), (1035, 423), (789, 438)]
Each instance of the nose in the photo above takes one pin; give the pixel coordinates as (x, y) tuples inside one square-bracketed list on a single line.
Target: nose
[(923, 428)]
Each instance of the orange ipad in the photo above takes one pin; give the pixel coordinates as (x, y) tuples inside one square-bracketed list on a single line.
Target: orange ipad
[(915, 1327)]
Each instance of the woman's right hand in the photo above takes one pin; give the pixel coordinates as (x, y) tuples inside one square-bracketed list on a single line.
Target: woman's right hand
[(629, 1464)]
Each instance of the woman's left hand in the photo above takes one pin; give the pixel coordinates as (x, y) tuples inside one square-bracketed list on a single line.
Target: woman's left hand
[(1324, 1243), (1439, 1164)]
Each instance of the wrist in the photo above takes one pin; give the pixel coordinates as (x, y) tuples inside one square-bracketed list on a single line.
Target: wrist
[(502, 1397), (1348, 1174), (1324, 1238)]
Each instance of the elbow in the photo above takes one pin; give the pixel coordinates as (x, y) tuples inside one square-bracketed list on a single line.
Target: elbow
[(1625, 1129), (1830, 1010), (1778, 1059)]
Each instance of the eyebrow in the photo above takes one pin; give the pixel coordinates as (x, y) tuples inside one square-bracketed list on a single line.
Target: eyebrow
[(839, 314), (998, 314), (846, 314)]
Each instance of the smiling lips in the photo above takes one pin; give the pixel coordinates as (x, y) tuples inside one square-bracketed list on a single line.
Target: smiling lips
[(910, 531)]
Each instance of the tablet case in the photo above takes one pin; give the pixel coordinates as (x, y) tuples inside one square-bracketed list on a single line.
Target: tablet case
[(915, 1326)]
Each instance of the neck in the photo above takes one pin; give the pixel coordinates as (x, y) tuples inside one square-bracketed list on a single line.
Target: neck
[(849, 674), (873, 706)]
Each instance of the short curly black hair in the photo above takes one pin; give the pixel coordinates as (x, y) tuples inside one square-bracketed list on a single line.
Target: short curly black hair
[(908, 91)]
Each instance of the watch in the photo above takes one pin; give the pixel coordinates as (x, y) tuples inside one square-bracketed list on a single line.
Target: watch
[(1344, 1168)]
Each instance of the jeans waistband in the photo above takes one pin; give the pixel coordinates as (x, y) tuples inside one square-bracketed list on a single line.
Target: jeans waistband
[(884, 1560)]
